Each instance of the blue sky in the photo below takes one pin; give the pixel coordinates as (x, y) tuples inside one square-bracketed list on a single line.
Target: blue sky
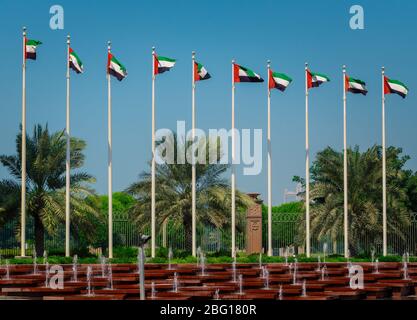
[(288, 33)]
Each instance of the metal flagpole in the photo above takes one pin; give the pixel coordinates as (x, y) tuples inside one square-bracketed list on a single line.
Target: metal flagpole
[(23, 165), (67, 185), (193, 172), (345, 177), (307, 172), (153, 228), (110, 169), (233, 178), (269, 167), (384, 173)]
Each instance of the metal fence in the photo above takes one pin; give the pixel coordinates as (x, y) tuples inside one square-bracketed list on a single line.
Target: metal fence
[(285, 233)]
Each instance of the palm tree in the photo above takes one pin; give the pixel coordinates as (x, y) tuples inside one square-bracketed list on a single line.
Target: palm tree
[(46, 157), (174, 198), (364, 192)]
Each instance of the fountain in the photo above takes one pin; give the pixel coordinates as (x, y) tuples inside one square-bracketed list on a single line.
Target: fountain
[(35, 263), (90, 290), (405, 270), (45, 257), (376, 267), (324, 252), (372, 256), (74, 268), (286, 256), (203, 264), (7, 267), (234, 270), (103, 262), (46, 274), (266, 279), (349, 263), (109, 277), (324, 273), (198, 254), (240, 284), (170, 256), (318, 264), (216, 295), (153, 290), (304, 289), (138, 261), (290, 267), (260, 260), (280, 293), (408, 257), (294, 275), (175, 283)]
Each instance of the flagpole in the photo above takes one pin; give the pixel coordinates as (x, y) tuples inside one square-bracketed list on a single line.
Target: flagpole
[(110, 168), (23, 164), (193, 172), (269, 167), (345, 177), (153, 228), (67, 164), (233, 178), (384, 173), (307, 172)]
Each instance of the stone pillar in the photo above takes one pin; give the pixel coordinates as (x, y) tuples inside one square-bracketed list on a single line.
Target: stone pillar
[(254, 226)]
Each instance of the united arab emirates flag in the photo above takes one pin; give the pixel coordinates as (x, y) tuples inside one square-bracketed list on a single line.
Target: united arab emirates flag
[(355, 85), (279, 81), (395, 86), (74, 62), (115, 68), (162, 64), (200, 73), (242, 74), (314, 79), (30, 50)]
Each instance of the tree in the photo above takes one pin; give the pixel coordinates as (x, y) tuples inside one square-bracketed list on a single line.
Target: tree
[(174, 194), (364, 194), (46, 158)]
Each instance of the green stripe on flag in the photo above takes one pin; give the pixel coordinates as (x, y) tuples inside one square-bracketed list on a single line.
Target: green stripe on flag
[(166, 59), (281, 76)]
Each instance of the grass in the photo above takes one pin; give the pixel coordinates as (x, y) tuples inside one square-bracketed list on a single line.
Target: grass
[(210, 259)]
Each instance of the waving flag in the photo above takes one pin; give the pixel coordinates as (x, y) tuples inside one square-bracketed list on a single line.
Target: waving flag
[(355, 86), (162, 64), (200, 73), (395, 86), (242, 74), (75, 62), (278, 81), (115, 68), (31, 46), (314, 79)]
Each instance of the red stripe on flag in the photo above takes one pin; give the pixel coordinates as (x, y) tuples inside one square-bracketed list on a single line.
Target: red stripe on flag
[(24, 49), (271, 81), (236, 68), (387, 89), (196, 75), (309, 79), (155, 64), (346, 83), (109, 57)]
